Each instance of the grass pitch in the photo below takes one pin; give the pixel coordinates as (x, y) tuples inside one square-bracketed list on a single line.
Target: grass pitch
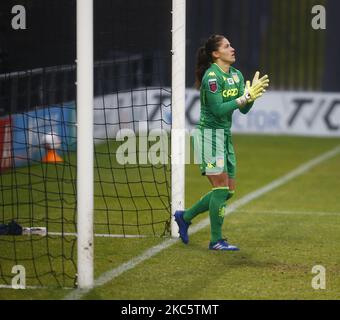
[(282, 236)]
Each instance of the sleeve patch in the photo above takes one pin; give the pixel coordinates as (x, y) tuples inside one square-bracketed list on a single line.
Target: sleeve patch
[(212, 83)]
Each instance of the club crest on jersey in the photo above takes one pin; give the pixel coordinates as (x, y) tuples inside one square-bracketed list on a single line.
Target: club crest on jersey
[(236, 78), (212, 85)]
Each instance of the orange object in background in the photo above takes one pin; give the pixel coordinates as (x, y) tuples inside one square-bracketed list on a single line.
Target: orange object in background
[(51, 157), (51, 142)]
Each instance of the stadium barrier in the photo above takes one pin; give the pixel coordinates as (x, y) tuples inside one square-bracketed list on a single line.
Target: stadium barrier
[(22, 136), (277, 112)]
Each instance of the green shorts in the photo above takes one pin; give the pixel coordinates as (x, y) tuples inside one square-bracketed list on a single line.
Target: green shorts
[(214, 151)]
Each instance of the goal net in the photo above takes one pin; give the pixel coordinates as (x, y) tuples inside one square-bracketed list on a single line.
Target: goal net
[(38, 139)]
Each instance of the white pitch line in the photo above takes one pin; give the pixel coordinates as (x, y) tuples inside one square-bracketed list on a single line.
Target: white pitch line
[(113, 273), (290, 212), (7, 286), (103, 235)]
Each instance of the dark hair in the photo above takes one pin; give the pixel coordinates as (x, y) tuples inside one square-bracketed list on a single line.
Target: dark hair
[(204, 57)]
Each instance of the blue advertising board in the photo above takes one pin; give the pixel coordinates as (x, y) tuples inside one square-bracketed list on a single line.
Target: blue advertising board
[(29, 131)]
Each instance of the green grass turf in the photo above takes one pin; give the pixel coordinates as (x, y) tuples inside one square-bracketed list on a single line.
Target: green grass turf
[(128, 200), (282, 235)]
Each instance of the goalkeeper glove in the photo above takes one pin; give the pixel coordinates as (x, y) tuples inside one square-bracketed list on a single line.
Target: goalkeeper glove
[(251, 93), (255, 90), (263, 80)]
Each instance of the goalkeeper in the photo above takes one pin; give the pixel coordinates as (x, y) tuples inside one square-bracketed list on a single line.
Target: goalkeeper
[(222, 91)]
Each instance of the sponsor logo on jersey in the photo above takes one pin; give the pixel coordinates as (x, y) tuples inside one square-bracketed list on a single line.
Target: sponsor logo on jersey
[(235, 77), (211, 74), (212, 85), (230, 81), (230, 93)]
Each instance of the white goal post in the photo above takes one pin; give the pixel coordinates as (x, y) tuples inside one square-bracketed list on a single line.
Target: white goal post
[(178, 111), (85, 98), (84, 145)]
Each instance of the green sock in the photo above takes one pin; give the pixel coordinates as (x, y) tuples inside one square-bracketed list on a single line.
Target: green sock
[(200, 206), (216, 212)]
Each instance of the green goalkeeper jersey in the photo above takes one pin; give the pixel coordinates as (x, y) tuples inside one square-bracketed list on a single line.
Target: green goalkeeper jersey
[(218, 94)]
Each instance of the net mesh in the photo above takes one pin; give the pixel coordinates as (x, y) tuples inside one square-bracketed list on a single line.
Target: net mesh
[(38, 134)]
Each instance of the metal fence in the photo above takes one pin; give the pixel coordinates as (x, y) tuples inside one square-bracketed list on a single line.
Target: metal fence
[(37, 65)]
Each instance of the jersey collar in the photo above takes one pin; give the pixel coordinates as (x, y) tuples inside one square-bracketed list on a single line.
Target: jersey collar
[(219, 68)]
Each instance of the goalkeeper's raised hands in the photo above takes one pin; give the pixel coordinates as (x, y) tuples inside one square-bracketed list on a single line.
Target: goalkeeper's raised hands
[(264, 81), (254, 90)]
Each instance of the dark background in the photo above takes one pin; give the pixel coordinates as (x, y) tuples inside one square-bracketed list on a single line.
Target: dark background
[(132, 43)]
